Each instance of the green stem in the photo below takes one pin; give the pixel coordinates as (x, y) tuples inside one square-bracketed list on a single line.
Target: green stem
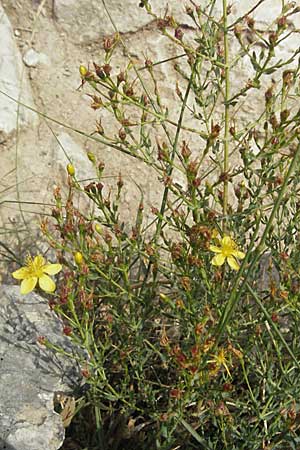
[(227, 117), (174, 150)]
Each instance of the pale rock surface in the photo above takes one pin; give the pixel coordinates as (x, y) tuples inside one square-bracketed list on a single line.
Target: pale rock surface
[(13, 81), (66, 150), (87, 21), (30, 374)]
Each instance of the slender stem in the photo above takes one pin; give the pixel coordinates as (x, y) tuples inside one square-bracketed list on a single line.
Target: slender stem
[(227, 117), (174, 150)]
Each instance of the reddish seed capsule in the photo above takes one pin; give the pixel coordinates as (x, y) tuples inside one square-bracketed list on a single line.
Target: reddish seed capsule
[(41, 340), (85, 373), (179, 34), (175, 393), (67, 330)]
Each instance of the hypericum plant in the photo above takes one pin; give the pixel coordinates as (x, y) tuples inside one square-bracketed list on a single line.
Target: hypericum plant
[(184, 351)]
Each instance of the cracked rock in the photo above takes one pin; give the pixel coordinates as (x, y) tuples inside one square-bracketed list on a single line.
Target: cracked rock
[(30, 374), (13, 82)]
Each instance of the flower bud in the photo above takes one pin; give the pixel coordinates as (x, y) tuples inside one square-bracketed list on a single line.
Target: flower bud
[(91, 157), (71, 170), (83, 71), (78, 258), (98, 228)]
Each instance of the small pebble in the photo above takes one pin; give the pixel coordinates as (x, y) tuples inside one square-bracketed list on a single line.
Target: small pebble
[(31, 58)]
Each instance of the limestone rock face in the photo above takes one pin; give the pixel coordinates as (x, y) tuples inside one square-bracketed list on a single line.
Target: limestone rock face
[(65, 147), (30, 374), (13, 81), (88, 21)]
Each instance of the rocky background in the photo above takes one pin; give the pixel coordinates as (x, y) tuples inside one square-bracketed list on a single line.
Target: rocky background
[(43, 42)]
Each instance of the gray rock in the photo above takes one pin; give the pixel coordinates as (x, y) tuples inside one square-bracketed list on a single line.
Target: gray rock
[(30, 374), (268, 274), (13, 82)]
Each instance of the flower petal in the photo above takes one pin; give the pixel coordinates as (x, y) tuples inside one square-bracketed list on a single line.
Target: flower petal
[(39, 261), (232, 262), (28, 285), (52, 269), (228, 242), (218, 260), (238, 254), (46, 283), (215, 249), (20, 273)]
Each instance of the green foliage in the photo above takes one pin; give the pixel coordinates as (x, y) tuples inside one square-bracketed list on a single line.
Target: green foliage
[(185, 354)]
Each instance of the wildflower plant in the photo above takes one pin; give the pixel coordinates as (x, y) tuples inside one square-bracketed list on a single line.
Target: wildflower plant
[(185, 352)]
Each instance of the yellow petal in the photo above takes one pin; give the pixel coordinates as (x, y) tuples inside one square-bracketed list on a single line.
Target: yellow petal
[(238, 254), (218, 260), (227, 241), (215, 249), (28, 285), (52, 269), (39, 261), (232, 262), (46, 283), (20, 273)]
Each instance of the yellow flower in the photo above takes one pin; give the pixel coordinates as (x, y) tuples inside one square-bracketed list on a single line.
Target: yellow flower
[(34, 272), (218, 361), (227, 251)]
